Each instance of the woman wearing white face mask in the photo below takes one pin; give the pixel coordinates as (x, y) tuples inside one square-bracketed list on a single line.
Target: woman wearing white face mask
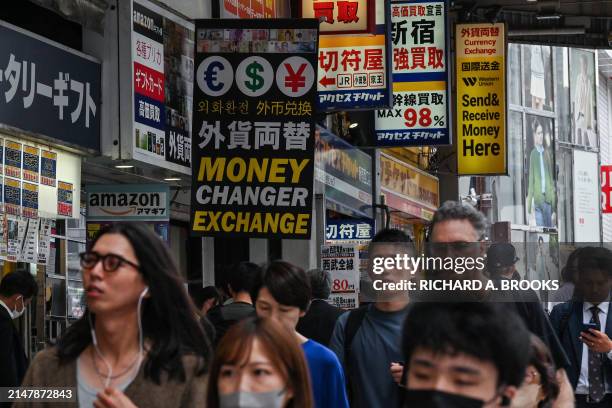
[(540, 387), (138, 343), (259, 365)]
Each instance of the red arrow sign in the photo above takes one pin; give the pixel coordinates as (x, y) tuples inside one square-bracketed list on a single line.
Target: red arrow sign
[(325, 81)]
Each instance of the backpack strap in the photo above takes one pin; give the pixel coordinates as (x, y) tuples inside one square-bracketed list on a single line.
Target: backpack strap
[(353, 323)]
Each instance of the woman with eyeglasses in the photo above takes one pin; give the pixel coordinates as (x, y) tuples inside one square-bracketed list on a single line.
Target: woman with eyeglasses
[(138, 343), (259, 364)]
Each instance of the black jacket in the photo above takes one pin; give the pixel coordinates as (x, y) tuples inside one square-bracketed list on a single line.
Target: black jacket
[(319, 322), (13, 360), (566, 318), (223, 317)]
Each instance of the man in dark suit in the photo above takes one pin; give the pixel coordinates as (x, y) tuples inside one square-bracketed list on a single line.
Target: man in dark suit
[(16, 291), (589, 349), (319, 322)]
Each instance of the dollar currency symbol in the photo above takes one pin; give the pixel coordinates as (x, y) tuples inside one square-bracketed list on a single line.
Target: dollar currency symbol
[(257, 80)]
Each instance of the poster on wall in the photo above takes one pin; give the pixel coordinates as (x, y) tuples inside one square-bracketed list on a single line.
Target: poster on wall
[(420, 114), (162, 53), (12, 196), (1, 157), (64, 199), (481, 99), (3, 237), (342, 263), (31, 164), (15, 230), (541, 200), (586, 191), (29, 200), (12, 159), (254, 120), (48, 168), (583, 97)]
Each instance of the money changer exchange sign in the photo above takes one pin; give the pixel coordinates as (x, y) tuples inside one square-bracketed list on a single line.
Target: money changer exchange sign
[(481, 99), (254, 99)]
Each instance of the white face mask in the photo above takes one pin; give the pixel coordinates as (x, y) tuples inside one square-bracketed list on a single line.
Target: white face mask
[(246, 399), (17, 314), (526, 396)]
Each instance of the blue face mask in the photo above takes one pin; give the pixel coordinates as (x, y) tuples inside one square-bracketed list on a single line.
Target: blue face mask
[(439, 399), (245, 399)]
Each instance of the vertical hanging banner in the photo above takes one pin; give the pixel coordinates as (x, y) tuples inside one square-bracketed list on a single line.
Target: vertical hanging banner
[(31, 164), (420, 114), (1, 156), (162, 55), (606, 189), (342, 263), (12, 159), (254, 120), (481, 99), (353, 70)]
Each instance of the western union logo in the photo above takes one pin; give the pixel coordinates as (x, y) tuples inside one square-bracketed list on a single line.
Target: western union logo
[(470, 81)]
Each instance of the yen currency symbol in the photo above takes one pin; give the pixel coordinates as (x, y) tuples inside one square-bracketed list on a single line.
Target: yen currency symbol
[(215, 76), (295, 76), (254, 76)]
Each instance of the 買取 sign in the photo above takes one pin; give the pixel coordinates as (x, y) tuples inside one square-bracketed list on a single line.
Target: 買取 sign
[(49, 89), (420, 113), (125, 202), (341, 16), (481, 99)]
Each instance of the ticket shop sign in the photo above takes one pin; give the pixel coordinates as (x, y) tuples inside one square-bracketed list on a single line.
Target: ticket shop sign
[(341, 16), (254, 129), (420, 113), (481, 99), (352, 72)]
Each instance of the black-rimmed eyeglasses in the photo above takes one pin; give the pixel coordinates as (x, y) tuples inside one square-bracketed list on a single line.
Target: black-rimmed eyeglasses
[(110, 262)]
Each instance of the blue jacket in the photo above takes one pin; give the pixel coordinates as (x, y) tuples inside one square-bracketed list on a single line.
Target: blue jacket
[(566, 319)]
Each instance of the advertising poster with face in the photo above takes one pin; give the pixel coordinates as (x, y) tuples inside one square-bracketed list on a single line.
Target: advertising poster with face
[(541, 197), (582, 97)]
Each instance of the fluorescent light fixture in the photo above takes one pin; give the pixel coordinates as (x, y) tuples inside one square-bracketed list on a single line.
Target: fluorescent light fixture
[(124, 166), (353, 125), (541, 17), (172, 179)]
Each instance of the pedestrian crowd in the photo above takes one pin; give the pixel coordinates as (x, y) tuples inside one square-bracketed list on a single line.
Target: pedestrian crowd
[(145, 341)]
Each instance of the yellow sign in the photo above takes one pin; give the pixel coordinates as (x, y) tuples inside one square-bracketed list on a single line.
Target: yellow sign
[(481, 99), (409, 182)]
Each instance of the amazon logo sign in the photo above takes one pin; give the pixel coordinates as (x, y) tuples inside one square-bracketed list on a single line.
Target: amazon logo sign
[(125, 202)]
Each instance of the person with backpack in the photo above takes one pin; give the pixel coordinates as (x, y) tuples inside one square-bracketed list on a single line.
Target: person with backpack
[(367, 340)]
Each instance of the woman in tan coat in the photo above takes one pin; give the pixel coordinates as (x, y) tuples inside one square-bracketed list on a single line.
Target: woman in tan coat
[(138, 343)]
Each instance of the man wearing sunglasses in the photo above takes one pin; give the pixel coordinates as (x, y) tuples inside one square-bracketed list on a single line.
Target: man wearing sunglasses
[(16, 291), (458, 229)]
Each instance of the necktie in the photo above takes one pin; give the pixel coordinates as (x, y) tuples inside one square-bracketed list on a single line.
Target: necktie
[(596, 380)]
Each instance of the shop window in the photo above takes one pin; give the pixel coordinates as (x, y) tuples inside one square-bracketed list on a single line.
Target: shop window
[(514, 74), (537, 77), (510, 191)]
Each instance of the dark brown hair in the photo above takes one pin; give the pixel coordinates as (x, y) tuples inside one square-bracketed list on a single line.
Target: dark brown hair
[(544, 365), (281, 348)]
